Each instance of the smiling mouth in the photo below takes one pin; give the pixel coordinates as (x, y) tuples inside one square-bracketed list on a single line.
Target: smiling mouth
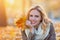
[(33, 22)]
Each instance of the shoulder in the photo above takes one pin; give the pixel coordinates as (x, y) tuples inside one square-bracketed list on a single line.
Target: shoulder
[(51, 27), (51, 35)]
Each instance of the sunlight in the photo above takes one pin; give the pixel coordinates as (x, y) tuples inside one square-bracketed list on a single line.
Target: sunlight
[(10, 1)]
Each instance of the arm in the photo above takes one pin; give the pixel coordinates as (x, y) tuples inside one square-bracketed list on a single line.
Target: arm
[(52, 33), (30, 36), (23, 35)]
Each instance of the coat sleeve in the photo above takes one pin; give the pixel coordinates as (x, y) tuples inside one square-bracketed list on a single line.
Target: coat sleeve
[(52, 33), (30, 36), (23, 35)]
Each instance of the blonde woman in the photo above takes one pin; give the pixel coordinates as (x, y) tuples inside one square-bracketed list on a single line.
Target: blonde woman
[(39, 27)]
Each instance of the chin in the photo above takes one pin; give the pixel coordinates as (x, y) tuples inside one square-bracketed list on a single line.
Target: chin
[(34, 24)]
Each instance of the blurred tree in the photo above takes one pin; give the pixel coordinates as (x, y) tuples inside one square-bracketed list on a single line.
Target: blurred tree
[(3, 21)]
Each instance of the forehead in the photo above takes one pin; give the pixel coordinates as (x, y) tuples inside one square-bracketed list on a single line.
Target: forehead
[(34, 12)]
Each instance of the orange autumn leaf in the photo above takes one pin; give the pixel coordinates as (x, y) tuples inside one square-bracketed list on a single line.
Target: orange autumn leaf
[(21, 22)]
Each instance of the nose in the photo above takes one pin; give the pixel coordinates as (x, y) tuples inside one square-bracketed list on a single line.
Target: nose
[(33, 18)]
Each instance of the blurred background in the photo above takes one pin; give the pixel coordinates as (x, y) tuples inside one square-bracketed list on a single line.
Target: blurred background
[(12, 10)]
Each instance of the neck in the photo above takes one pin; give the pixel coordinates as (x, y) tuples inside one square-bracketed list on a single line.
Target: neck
[(36, 27)]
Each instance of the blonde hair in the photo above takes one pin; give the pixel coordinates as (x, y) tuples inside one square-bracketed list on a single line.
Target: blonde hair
[(44, 19)]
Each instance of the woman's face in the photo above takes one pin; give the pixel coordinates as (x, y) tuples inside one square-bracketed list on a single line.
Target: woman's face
[(35, 17)]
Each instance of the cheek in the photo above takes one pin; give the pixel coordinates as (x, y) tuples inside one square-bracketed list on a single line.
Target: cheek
[(38, 20), (30, 18)]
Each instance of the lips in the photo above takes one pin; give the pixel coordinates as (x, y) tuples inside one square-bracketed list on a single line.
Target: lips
[(33, 22)]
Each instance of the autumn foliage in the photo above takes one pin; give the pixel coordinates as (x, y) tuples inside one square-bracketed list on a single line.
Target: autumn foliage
[(21, 22)]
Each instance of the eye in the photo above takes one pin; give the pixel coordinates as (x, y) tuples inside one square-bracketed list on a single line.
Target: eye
[(31, 15), (36, 16)]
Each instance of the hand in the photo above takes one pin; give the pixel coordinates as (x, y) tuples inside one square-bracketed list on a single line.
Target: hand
[(28, 23)]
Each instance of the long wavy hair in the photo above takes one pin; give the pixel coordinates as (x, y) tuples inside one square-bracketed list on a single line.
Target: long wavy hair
[(44, 18)]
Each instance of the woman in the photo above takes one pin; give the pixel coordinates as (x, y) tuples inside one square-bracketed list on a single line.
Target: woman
[(38, 26)]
